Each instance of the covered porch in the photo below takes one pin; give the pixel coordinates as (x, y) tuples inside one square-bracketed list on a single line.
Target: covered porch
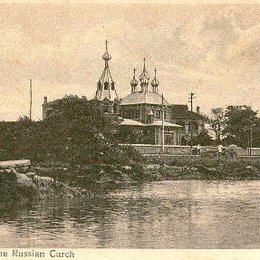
[(135, 132)]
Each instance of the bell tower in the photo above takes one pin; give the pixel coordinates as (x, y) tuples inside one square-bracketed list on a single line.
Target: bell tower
[(106, 85)]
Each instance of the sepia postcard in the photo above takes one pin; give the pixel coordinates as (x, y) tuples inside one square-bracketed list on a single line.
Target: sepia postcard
[(130, 130)]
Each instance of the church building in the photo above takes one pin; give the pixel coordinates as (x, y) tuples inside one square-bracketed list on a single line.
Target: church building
[(146, 112), (142, 113), (144, 116)]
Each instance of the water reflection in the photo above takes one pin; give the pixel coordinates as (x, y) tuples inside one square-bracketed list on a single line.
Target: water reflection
[(170, 214)]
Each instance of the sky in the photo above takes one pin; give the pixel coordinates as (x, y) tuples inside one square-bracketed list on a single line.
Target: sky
[(211, 50)]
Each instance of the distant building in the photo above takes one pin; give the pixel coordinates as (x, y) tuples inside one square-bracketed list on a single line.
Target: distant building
[(50, 107), (181, 115), (47, 107)]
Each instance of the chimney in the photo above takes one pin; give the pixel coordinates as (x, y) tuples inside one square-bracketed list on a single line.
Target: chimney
[(45, 100), (198, 109)]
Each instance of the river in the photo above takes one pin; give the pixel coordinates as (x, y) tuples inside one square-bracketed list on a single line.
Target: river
[(168, 214)]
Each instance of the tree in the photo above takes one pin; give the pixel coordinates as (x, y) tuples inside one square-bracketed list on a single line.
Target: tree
[(76, 133), (203, 138), (241, 124), (217, 122)]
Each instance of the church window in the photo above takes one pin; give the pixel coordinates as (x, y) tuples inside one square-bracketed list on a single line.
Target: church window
[(131, 113), (137, 114), (106, 85), (99, 85), (113, 86), (158, 113)]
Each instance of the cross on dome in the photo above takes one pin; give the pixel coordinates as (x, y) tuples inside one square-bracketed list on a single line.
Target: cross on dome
[(144, 77), (106, 44), (155, 81), (106, 56), (134, 82)]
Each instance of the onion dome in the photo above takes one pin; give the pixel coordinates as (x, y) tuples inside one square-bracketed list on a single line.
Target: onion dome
[(106, 56), (144, 77), (155, 81), (134, 82)]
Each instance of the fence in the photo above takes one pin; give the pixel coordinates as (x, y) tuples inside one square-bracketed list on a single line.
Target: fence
[(150, 149)]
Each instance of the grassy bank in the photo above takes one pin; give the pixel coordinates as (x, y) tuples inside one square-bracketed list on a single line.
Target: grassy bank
[(200, 168), (154, 169), (41, 181)]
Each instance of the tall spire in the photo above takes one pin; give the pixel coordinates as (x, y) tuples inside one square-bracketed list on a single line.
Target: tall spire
[(106, 85)]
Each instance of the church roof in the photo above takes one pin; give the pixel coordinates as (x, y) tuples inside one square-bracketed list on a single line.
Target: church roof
[(166, 123), (146, 97), (127, 121), (132, 122)]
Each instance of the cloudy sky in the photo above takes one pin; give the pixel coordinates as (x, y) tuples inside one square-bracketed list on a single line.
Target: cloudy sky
[(212, 50)]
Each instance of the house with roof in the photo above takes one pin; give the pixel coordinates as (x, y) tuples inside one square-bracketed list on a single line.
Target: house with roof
[(189, 120)]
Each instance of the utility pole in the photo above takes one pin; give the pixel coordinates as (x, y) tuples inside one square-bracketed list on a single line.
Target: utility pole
[(30, 116), (251, 135), (191, 97), (162, 126)]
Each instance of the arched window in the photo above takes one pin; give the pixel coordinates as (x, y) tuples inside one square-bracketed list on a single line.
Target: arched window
[(106, 85), (112, 86), (99, 85), (137, 113), (158, 113)]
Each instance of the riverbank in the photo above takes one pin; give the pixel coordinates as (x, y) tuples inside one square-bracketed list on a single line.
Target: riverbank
[(43, 181), (25, 185), (200, 168)]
